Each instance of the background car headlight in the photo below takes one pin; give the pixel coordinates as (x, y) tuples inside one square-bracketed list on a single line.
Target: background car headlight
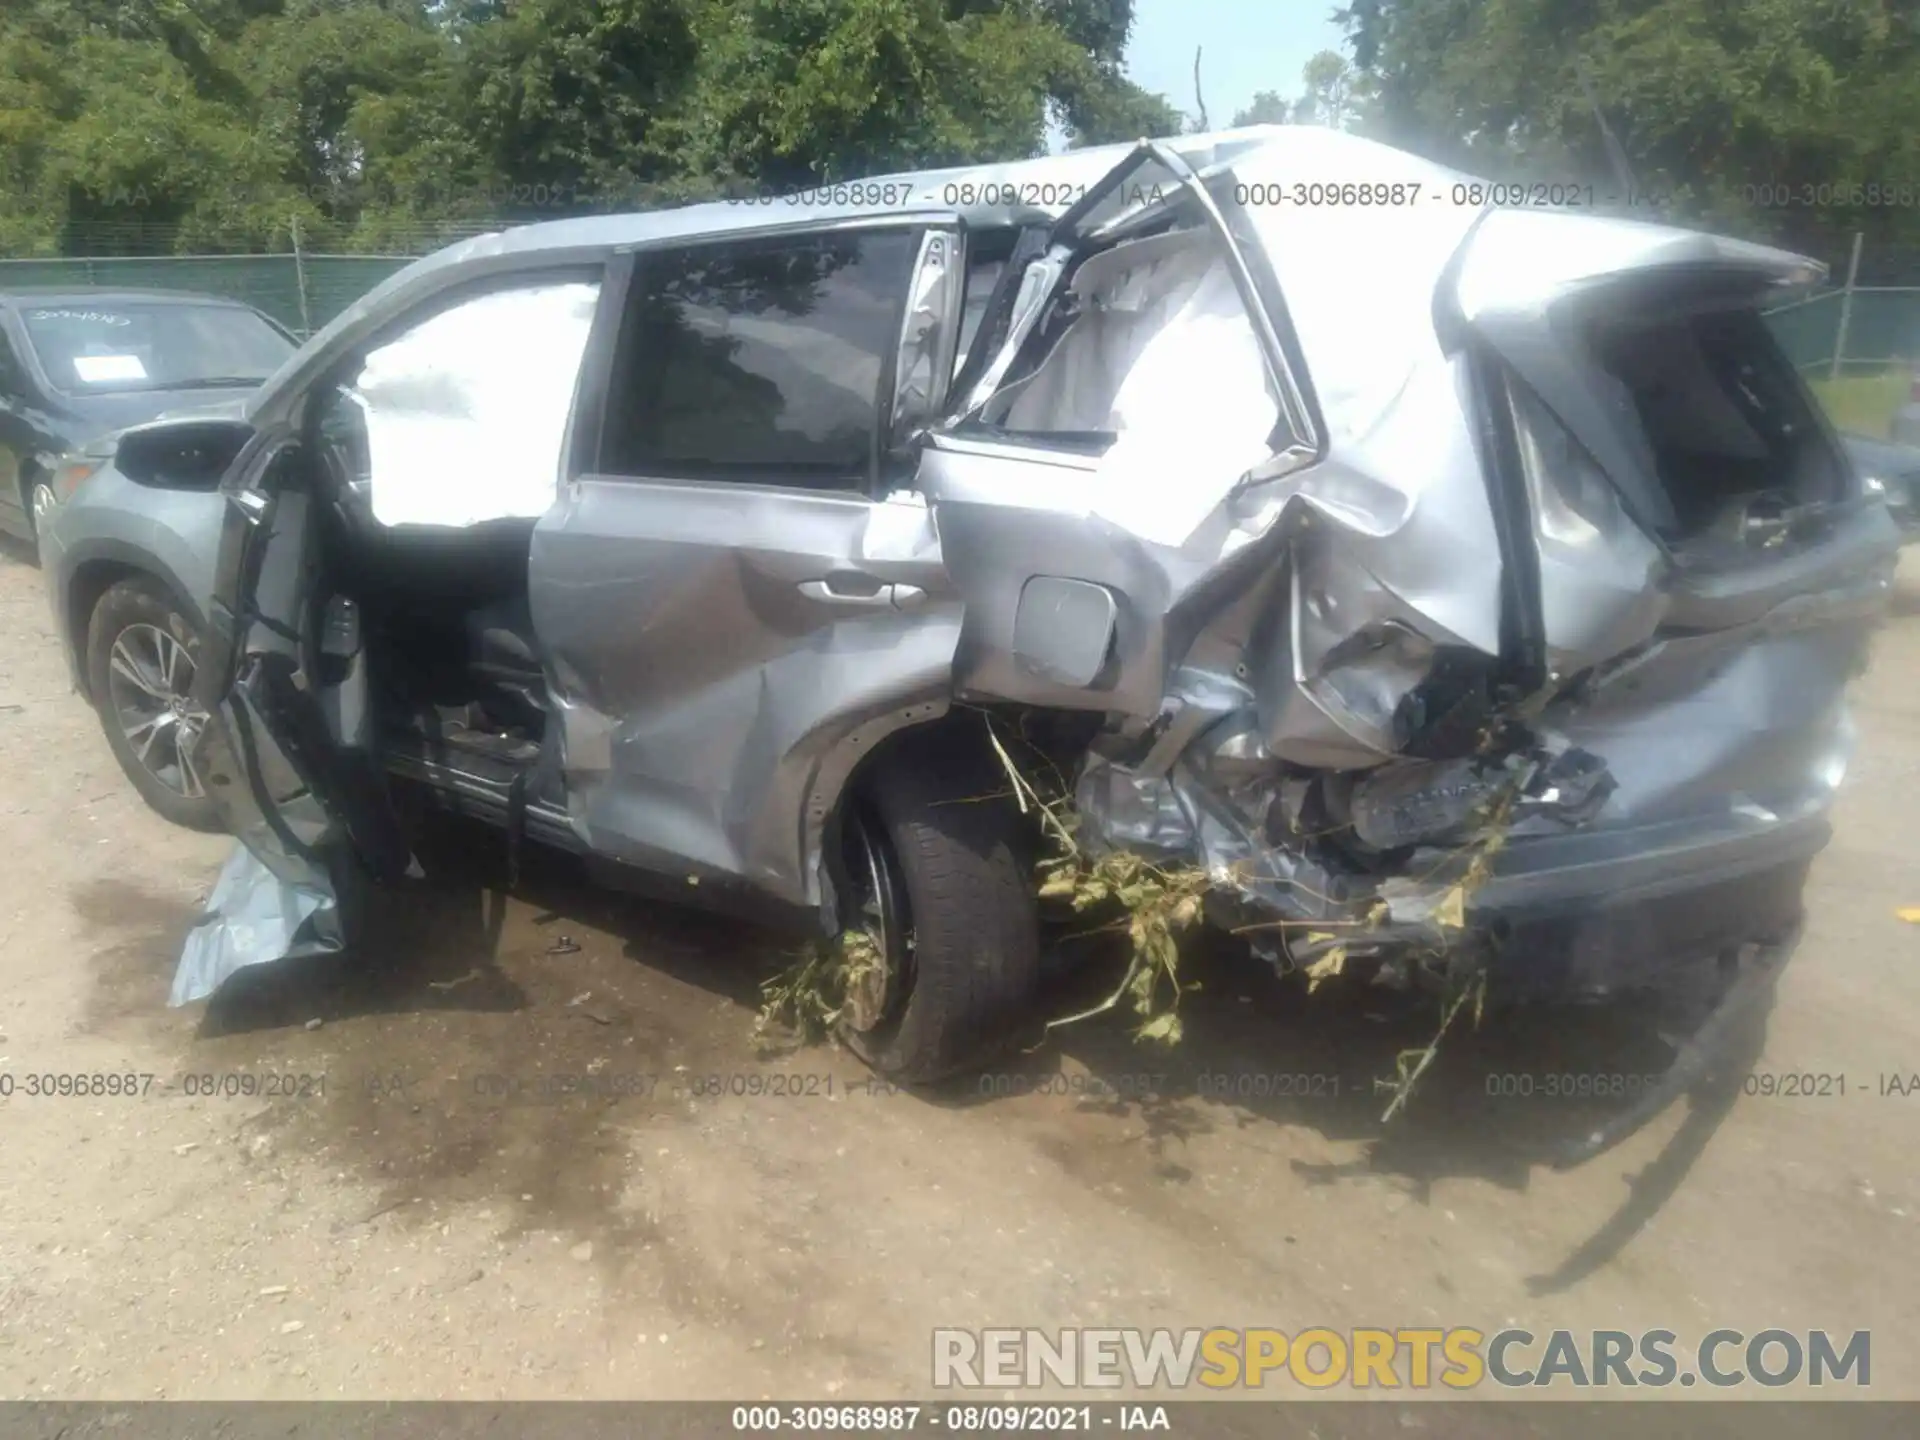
[(68, 475)]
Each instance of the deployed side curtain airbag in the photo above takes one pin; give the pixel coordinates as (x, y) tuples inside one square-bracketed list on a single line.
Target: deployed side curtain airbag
[(467, 412), (1164, 356)]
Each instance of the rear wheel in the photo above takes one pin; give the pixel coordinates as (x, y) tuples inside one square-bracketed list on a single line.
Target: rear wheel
[(141, 657), (937, 879)]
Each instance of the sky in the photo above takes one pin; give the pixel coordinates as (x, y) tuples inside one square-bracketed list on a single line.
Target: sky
[(1248, 45)]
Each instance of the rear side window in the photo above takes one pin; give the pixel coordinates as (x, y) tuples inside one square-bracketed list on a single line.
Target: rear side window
[(759, 361)]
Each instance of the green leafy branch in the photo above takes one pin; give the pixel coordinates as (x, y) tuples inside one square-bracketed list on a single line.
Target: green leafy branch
[(1160, 903), (810, 996)]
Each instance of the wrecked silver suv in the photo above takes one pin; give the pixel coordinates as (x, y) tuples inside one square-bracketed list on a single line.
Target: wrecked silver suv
[(1316, 537)]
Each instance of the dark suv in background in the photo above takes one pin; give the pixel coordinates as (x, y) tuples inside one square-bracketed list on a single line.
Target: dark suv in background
[(77, 363), (76, 368)]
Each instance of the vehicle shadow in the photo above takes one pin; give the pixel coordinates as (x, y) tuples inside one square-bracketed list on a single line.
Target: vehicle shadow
[(432, 944), (21, 552), (447, 942), (1499, 1101)]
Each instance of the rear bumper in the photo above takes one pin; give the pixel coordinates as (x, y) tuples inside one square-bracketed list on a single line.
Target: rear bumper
[(1586, 916), (1644, 922), (1545, 879)]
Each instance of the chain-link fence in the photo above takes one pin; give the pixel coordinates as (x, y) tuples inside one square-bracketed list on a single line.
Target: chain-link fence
[(1858, 338), (1838, 333)]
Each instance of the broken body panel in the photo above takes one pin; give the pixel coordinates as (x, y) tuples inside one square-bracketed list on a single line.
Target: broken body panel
[(1353, 525)]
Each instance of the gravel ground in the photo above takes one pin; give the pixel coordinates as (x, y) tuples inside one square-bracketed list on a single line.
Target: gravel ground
[(397, 1228)]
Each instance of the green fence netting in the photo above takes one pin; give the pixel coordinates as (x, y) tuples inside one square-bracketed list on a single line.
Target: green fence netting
[(1883, 326)]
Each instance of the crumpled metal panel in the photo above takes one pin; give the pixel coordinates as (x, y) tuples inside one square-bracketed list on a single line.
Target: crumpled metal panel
[(253, 917), (274, 899), (709, 688)]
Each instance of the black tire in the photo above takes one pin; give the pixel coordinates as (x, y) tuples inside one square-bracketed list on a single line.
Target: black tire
[(127, 605), (963, 865)]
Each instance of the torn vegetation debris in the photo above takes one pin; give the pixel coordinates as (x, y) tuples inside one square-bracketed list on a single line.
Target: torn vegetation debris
[(1159, 902), (809, 997)]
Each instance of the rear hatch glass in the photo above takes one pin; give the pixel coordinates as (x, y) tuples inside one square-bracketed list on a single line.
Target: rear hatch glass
[(1719, 415)]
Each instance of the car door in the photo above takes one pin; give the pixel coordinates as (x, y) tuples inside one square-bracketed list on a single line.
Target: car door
[(738, 586), (432, 425), (296, 796), (293, 756)]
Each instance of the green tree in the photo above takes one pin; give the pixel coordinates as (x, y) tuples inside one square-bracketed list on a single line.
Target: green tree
[(1269, 107), (1712, 103), (795, 91), (1090, 93), (130, 125), (578, 97), (1330, 97), (366, 110)]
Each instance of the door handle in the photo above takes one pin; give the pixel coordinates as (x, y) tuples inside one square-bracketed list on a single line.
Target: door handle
[(822, 590)]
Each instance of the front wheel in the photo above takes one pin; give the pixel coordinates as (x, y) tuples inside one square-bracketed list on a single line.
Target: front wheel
[(937, 881), (141, 656)]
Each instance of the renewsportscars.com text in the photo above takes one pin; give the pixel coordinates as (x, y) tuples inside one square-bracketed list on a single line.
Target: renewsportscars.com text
[(1365, 1358)]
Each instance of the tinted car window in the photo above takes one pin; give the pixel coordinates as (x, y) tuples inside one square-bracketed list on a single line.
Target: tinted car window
[(760, 359), (88, 348)]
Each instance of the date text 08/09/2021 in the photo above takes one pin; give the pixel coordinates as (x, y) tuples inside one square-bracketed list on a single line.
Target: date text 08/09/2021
[(33, 1084), (901, 1419), (1476, 194), (1473, 194)]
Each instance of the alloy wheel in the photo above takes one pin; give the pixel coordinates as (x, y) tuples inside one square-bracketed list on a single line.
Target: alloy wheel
[(879, 909), (150, 680)]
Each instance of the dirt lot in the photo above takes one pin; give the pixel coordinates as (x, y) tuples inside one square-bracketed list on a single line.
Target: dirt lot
[(403, 1230)]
